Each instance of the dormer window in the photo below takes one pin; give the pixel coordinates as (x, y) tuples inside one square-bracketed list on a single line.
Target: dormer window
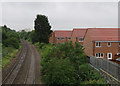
[(62, 38), (58, 38), (109, 44), (80, 39), (69, 38), (98, 44)]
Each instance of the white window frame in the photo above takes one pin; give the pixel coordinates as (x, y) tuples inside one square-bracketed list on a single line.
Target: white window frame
[(96, 55), (99, 44), (109, 45), (80, 38), (99, 56), (58, 38), (108, 55), (103, 55), (68, 38), (63, 38)]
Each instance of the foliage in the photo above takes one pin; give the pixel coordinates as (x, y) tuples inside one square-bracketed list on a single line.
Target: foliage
[(10, 44), (0, 34), (59, 72), (30, 36), (7, 54), (41, 33), (10, 38), (42, 29), (66, 64), (23, 34)]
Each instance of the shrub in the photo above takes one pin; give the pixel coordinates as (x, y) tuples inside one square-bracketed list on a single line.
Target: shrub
[(12, 42), (59, 72), (65, 64)]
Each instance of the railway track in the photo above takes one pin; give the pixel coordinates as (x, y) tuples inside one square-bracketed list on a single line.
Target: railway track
[(15, 69), (37, 66), (24, 70), (31, 73)]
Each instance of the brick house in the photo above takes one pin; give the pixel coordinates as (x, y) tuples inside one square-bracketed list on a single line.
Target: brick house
[(78, 35), (102, 43), (51, 38), (60, 36)]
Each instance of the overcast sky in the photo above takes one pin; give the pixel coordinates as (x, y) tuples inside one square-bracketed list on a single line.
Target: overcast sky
[(61, 15)]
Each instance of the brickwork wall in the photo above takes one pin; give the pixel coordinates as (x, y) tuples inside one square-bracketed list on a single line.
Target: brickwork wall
[(51, 38), (88, 45), (114, 48), (61, 41)]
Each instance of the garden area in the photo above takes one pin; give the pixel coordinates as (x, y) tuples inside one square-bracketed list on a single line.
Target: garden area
[(66, 64)]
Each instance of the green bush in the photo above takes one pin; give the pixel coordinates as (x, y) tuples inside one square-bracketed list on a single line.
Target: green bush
[(12, 42), (99, 82), (87, 73), (59, 72), (10, 38), (66, 64), (7, 54)]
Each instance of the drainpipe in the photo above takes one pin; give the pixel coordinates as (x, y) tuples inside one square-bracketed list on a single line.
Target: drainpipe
[(93, 48)]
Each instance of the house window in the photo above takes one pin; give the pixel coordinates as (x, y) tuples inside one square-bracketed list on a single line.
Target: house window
[(102, 55), (69, 38), (80, 39), (109, 55), (109, 44), (58, 38), (62, 38), (119, 44), (99, 55), (98, 44)]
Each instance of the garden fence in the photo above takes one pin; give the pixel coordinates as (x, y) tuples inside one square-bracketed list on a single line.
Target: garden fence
[(111, 67)]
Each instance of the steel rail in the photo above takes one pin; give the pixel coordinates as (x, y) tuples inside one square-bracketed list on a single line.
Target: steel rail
[(18, 64)]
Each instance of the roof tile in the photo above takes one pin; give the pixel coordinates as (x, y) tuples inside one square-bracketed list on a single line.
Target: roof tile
[(63, 33), (79, 32), (104, 34)]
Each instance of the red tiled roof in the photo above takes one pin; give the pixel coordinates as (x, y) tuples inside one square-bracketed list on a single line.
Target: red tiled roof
[(79, 32), (63, 33), (104, 34)]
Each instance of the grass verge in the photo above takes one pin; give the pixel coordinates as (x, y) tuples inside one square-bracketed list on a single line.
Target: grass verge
[(8, 54)]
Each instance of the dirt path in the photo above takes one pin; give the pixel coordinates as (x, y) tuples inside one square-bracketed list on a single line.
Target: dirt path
[(27, 69)]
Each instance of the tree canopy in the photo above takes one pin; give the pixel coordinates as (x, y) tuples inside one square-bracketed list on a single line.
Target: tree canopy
[(41, 33), (42, 29), (10, 38)]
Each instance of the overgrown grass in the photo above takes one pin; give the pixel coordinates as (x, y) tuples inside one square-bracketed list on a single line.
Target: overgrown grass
[(8, 54)]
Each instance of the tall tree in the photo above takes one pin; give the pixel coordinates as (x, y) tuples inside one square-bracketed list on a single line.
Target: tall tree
[(42, 29)]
